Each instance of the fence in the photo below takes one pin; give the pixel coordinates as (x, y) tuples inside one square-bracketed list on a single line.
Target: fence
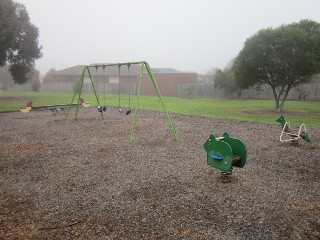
[(108, 88), (309, 92)]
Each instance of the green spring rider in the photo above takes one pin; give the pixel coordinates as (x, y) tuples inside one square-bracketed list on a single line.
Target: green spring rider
[(288, 136), (224, 153)]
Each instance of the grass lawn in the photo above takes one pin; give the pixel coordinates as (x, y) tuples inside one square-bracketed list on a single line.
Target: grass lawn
[(296, 112)]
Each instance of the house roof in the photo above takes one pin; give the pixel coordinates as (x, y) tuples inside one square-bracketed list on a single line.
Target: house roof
[(165, 70), (75, 70), (110, 70)]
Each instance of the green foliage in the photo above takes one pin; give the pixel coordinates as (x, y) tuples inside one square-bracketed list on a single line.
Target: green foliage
[(225, 80), (18, 42), (48, 76), (283, 58), (5, 78), (315, 79), (35, 85)]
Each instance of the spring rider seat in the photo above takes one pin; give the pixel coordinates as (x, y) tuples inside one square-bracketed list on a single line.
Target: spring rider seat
[(224, 153)]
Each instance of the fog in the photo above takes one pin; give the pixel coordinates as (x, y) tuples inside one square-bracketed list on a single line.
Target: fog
[(187, 35)]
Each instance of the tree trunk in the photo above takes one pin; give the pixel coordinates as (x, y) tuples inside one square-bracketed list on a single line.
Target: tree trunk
[(276, 99), (284, 98)]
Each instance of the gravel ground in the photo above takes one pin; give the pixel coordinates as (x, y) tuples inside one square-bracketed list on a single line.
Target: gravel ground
[(84, 180)]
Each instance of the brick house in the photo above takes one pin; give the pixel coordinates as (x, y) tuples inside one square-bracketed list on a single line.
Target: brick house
[(167, 79)]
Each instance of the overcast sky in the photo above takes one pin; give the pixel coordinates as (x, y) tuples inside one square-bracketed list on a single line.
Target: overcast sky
[(189, 35)]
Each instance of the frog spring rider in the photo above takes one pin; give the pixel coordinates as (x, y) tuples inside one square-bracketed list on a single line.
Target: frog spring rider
[(224, 153)]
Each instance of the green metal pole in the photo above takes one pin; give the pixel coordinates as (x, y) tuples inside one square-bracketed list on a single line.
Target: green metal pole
[(136, 110), (79, 88), (94, 90), (158, 92)]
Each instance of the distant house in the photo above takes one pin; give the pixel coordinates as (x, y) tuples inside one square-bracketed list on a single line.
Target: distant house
[(109, 74), (167, 79)]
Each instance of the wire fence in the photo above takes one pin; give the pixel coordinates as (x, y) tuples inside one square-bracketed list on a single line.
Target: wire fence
[(309, 92)]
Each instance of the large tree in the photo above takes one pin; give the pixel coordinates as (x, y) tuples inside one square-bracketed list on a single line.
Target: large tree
[(19, 46), (282, 57)]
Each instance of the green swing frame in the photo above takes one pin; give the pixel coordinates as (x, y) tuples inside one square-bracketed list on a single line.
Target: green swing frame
[(143, 64)]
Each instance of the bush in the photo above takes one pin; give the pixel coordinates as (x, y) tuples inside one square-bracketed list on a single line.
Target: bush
[(35, 85)]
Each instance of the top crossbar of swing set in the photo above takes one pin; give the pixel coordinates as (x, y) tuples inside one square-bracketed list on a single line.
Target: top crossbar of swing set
[(142, 65), (116, 64)]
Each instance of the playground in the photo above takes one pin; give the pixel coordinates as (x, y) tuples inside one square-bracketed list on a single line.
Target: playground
[(84, 179)]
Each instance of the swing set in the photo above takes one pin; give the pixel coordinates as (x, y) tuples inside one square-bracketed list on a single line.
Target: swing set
[(120, 109), (143, 65)]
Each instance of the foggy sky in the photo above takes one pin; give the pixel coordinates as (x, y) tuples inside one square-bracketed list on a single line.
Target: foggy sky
[(189, 35)]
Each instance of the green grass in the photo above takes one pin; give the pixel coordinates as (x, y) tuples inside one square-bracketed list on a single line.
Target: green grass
[(296, 112)]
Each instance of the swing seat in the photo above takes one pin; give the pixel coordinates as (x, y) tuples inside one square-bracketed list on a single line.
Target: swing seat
[(100, 108), (124, 113)]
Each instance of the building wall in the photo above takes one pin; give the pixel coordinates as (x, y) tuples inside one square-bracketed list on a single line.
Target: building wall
[(99, 79), (167, 83)]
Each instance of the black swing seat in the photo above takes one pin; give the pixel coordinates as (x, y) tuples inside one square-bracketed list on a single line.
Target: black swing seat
[(102, 108), (124, 113)]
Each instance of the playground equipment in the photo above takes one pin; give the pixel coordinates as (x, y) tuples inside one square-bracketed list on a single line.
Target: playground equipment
[(286, 134), (104, 107), (27, 108), (224, 153), (143, 66), (84, 104), (54, 108), (120, 109)]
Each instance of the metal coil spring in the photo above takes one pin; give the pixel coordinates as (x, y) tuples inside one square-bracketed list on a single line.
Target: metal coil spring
[(225, 177)]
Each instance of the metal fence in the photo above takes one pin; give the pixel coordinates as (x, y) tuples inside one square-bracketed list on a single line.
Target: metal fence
[(309, 92), (108, 88)]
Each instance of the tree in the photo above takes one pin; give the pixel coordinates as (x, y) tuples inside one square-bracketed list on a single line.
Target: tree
[(35, 82), (225, 80), (18, 41), (5, 79), (48, 76), (282, 57)]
